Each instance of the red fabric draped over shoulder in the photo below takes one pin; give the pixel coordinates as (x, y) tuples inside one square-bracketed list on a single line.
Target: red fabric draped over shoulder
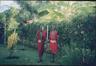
[(41, 40), (53, 42)]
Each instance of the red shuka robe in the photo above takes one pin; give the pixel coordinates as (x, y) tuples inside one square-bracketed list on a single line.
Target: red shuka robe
[(53, 42), (41, 37)]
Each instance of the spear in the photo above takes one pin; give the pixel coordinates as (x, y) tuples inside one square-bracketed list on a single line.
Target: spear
[(47, 40), (47, 32)]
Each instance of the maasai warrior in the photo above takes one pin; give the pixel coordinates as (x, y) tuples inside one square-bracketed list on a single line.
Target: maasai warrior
[(41, 37), (53, 42)]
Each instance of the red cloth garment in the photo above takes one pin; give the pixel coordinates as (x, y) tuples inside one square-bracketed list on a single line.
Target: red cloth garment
[(41, 38), (44, 35), (53, 42)]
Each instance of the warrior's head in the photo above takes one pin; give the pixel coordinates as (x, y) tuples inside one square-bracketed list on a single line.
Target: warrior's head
[(41, 28), (53, 27)]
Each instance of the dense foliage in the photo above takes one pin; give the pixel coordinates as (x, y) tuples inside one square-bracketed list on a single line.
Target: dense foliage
[(75, 22)]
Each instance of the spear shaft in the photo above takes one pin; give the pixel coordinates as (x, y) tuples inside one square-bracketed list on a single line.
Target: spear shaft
[(47, 32)]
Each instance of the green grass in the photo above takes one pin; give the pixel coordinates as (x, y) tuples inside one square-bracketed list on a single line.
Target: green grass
[(28, 56)]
